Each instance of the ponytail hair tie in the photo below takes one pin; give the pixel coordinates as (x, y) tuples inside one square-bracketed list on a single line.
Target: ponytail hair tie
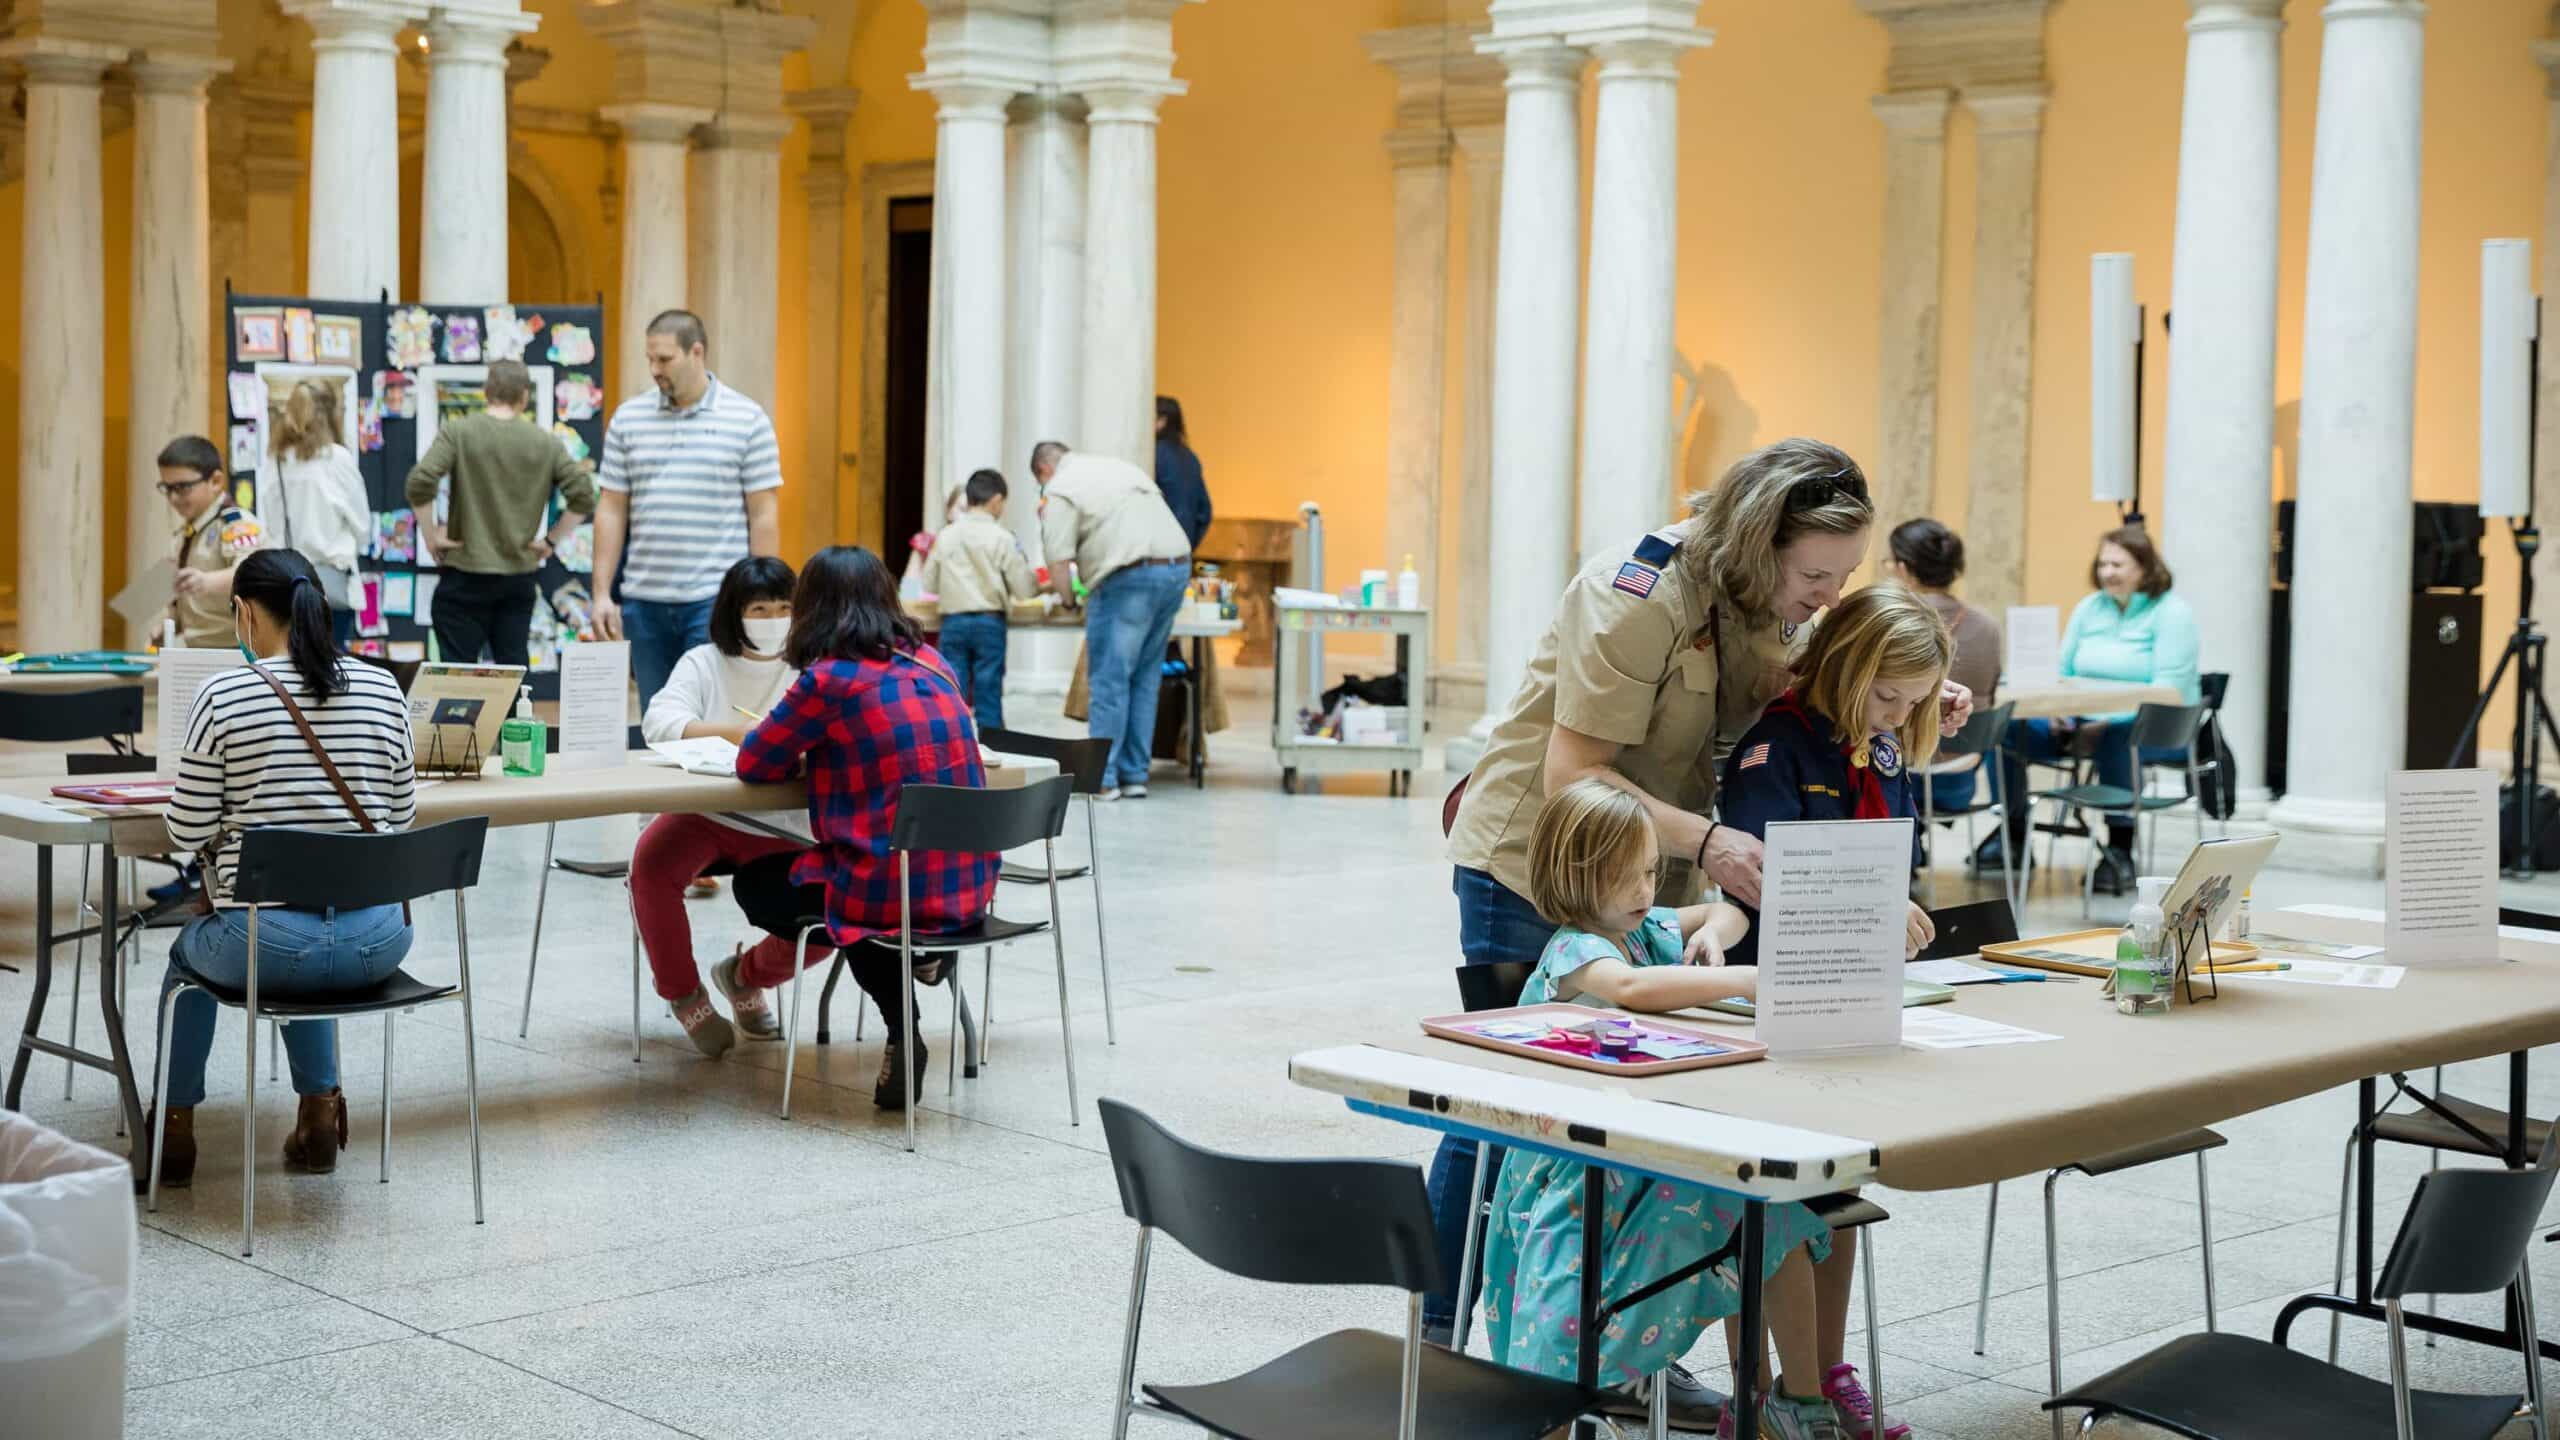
[(298, 582)]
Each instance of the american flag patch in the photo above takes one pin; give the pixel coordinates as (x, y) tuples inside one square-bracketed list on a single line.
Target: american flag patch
[(1756, 755), (1636, 578)]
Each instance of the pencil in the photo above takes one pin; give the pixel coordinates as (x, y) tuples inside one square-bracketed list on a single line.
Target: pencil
[(2251, 967), (743, 710)]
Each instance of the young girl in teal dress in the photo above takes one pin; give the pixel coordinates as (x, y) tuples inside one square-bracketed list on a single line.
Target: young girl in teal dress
[(1593, 866)]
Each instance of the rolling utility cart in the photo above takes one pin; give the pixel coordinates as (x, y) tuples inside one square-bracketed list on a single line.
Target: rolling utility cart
[(1302, 632)]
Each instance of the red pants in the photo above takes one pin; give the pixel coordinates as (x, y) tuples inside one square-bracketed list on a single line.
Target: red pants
[(672, 853)]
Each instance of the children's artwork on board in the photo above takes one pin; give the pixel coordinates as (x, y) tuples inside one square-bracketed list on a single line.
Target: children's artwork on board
[(258, 332), (413, 337), (578, 552), (573, 345), (395, 535), (301, 332), (369, 425), (244, 448), (398, 392), (462, 339), (340, 341), (580, 396), (248, 397), (570, 440), (509, 335)]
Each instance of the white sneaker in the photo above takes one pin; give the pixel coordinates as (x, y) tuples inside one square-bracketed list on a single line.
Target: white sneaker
[(1137, 791), (1107, 792)]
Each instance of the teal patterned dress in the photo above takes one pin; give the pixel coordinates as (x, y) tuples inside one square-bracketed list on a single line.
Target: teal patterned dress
[(1533, 1247)]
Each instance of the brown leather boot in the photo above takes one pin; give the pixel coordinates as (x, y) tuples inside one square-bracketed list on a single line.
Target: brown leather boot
[(319, 1130), (177, 1152)]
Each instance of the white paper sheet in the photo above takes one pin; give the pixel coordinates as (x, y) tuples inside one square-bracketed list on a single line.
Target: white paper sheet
[(1951, 972), (701, 755), (1835, 902), (182, 673), (595, 704), (2033, 640), (2325, 949), (147, 595), (1941, 1028), (2440, 892), (2327, 972)]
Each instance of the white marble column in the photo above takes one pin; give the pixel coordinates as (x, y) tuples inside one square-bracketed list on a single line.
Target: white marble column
[(2546, 479), (1537, 315), (1904, 468), (2008, 147), (1417, 351), (62, 422), (2222, 364), (355, 145), (462, 227), (655, 139), (1480, 147), (968, 208), (2348, 722), (1120, 273), (735, 272), (173, 351), (1635, 206), (822, 186), (1044, 293)]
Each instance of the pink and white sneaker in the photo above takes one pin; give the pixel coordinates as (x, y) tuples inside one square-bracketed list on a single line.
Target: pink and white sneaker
[(1857, 1412)]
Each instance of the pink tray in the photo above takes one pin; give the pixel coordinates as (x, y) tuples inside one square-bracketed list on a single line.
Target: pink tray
[(1732, 1050)]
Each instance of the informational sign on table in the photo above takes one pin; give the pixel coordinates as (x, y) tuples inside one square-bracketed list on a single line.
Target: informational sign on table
[(2441, 868), (595, 704), (183, 673), (1835, 901), (2034, 640)]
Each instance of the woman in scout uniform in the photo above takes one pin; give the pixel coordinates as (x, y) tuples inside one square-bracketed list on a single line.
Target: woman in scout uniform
[(213, 535)]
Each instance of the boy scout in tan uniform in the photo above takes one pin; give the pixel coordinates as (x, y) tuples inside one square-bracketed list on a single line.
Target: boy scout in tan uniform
[(212, 535), (977, 566), (1637, 657)]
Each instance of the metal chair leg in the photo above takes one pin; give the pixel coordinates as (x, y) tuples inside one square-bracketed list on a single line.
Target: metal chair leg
[(541, 902), (1058, 942), (249, 1100), (2204, 1231), (2338, 1282), (1476, 1188), (1982, 1300), (1102, 942), (791, 1035), (1129, 1338), (987, 1001), (2435, 1162), (1657, 1425), (906, 1032), (2530, 1326), (951, 1043), (470, 1051), (160, 1094), (275, 1043), (634, 901), (1875, 1338), (2052, 1301), (972, 1041), (389, 1017)]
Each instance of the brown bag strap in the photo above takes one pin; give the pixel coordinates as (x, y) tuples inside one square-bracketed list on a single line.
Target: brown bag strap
[(346, 795)]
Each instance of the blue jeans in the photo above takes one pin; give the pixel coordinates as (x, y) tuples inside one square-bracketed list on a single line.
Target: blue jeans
[(1494, 924), (974, 644), (660, 631), (1128, 620), (2040, 742), (302, 955)]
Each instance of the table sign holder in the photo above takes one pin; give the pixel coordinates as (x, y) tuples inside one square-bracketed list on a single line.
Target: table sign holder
[(443, 763), (2189, 933)]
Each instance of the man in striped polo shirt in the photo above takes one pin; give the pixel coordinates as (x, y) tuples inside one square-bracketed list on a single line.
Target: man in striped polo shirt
[(691, 484)]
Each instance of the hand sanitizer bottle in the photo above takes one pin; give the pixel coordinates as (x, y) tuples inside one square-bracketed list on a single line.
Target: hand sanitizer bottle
[(2141, 987), (1408, 586), (521, 740)]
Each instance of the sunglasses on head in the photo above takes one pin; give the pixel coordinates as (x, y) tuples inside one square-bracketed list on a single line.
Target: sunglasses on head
[(1815, 491)]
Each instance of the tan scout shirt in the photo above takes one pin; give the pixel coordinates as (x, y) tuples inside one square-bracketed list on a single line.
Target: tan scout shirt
[(215, 540), (1106, 515), (1631, 659), (976, 566)]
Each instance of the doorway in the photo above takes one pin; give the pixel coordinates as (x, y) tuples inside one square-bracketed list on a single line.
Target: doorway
[(910, 324)]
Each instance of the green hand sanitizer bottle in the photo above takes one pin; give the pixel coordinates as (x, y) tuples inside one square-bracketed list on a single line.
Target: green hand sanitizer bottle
[(521, 740), (2141, 987)]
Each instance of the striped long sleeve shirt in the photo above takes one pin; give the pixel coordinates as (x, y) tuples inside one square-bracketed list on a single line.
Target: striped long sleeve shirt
[(245, 766)]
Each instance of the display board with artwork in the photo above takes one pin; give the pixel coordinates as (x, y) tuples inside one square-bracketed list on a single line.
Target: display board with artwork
[(400, 372)]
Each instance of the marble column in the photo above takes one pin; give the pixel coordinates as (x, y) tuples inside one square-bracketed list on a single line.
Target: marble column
[(355, 145), (173, 350), (1120, 272), (1480, 147), (462, 239), (1536, 329), (1904, 468), (1417, 341), (2546, 479), (1044, 291), (969, 289), (822, 187), (272, 162), (2359, 375), (1628, 353), (62, 422), (2008, 149), (735, 272), (2222, 365), (655, 139)]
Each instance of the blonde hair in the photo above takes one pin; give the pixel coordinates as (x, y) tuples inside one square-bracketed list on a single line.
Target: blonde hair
[(309, 422), (1884, 632), (1589, 839), (1746, 519)]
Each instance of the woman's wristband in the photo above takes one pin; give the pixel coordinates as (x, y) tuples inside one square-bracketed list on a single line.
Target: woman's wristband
[(1712, 827)]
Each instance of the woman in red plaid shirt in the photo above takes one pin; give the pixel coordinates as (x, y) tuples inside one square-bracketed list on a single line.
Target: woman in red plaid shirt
[(875, 709)]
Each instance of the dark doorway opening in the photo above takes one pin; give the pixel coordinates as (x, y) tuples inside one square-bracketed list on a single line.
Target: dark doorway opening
[(901, 488)]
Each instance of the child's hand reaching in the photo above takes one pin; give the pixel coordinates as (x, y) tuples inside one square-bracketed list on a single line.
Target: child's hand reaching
[(1917, 931), (1703, 948)]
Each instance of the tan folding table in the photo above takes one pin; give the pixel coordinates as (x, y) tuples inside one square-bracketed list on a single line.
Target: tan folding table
[(2082, 697)]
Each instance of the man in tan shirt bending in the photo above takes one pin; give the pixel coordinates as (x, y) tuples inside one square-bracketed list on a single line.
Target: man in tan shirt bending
[(975, 570), (1110, 520)]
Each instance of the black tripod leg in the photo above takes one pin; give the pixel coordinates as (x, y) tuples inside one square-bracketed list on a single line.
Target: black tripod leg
[(2480, 707)]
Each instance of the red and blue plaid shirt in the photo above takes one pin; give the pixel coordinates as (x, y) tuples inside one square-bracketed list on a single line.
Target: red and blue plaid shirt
[(868, 728)]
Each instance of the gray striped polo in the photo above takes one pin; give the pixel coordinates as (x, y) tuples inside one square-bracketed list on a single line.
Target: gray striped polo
[(688, 472)]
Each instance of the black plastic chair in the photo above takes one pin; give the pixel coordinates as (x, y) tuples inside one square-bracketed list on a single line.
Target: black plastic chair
[(1313, 1222), (1982, 742), (593, 870), (963, 819), (2155, 727), (1993, 924), (1494, 986), (319, 870), (1087, 763), (2465, 1233)]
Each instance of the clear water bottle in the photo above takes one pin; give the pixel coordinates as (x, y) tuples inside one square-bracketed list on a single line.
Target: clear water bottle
[(2142, 974)]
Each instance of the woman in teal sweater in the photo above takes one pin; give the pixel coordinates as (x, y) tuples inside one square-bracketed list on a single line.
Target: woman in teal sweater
[(2131, 629)]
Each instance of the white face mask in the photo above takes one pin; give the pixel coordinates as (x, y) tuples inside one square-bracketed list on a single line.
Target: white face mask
[(765, 636)]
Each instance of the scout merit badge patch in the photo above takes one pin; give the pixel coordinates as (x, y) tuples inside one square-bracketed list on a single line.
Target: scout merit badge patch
[(1637, 576), (240, 536), (1884, 755)]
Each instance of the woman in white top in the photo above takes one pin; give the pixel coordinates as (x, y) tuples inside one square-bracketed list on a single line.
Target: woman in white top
[(316, 502), (246, 766), (722, 688)]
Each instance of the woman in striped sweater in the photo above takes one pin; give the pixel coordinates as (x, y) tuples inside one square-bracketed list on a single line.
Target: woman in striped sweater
[(246, 766)]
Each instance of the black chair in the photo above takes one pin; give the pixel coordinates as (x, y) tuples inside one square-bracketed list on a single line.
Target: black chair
[(2464, 1233), (2213, 687), (1992, 923), (319, 870), (593, 870), (2155, 727), (962, 819), (1313, 1222), (1087, 763), (1496, 986), (1979, 747)]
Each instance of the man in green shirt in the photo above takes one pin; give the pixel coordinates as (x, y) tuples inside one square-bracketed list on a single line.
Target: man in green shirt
[(505, 469)]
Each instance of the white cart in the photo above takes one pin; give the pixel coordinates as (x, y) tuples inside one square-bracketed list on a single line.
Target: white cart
[(1302, 632)]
